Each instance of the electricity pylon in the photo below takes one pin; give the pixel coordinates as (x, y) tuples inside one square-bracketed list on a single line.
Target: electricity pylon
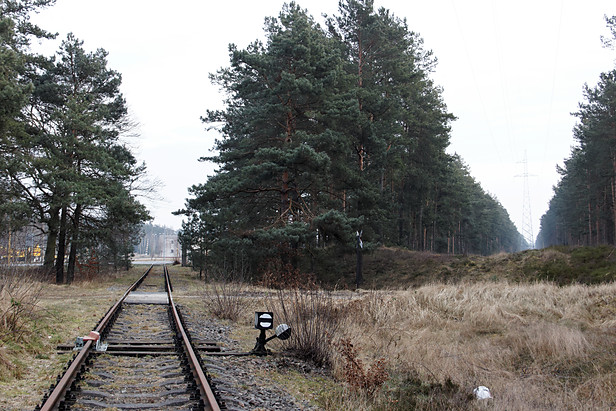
[(527, 219)]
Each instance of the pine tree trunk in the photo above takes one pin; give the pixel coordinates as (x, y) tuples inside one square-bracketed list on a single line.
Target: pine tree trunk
[(604, 229), (597, 231), (284, 197), (589, 240), (420, 228), (360, 261), (72, 258), (400, 224), (284, 200), (52, 238), (184, 255), (205, 265), (127, 261), (433, 237), (614, 203), (61, 247)]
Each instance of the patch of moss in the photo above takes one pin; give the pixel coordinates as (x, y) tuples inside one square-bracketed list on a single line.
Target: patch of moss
[(410, 392), (569, 265), (307, 387)]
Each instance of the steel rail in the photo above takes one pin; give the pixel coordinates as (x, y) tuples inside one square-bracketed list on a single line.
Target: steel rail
[(56, 396), (201, 379)]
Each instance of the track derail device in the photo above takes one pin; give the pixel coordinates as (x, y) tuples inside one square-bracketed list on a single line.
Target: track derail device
[(93, 336), (265, 321)]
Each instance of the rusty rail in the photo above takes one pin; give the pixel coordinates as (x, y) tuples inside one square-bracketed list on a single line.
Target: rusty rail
[(198, 373), (57, 395), (55, 398)]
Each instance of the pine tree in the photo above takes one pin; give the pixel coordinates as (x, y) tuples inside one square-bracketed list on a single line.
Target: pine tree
[(274, 158), (583, 208), (16, 61), (73, 166)]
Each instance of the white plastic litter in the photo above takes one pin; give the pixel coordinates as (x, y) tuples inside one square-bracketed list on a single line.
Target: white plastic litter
[(482, 393)]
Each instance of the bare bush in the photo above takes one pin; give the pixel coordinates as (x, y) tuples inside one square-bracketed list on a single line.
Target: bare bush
[(19, 293), (279, 275), (314, 317), (367, 380), (228, 303)]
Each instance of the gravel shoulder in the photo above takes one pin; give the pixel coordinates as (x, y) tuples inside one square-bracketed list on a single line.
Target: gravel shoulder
[(273, 382)]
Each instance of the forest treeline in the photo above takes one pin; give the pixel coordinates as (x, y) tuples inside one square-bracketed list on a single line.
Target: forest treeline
[(64, 167), (583, 208), (335, 135)]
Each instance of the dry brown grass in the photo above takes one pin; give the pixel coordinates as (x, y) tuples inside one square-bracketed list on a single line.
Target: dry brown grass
[(227, 302), (19, 293), (62, 312), (314, 316), (535, 346)]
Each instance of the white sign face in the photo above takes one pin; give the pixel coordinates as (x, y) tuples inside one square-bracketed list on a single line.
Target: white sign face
[(264, 320)]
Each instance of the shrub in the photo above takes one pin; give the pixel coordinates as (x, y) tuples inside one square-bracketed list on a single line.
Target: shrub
[(227, 303), (314, 318), (360, 378), (279, 275), (19, 293)]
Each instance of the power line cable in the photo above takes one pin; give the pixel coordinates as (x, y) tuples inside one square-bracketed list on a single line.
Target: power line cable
[(556, 56), (476, 83), (502, 80)]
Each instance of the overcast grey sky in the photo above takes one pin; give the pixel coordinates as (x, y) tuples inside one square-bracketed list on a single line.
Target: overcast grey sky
[(512, 72)]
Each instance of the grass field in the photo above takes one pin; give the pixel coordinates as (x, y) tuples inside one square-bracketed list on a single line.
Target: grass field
[(422, 339), (536, 346)]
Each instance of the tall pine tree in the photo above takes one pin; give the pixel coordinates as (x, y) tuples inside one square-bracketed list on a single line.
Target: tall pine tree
[(74, 170), (274, 176)]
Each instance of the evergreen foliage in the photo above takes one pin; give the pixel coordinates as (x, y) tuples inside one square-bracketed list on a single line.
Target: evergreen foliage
[(16, 61), (330, 133), (583, 208), (64, 168)]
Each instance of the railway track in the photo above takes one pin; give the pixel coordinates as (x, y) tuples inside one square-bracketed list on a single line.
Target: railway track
[(143, 358)]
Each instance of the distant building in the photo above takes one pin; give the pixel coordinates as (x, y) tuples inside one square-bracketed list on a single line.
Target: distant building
[(23, 246), (158, 243)]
